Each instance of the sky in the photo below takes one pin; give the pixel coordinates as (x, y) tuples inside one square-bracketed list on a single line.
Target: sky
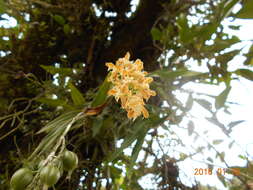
[(241, 93)]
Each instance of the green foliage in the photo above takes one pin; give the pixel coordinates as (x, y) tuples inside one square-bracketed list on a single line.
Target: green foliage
[(101, 95), (76, 95), (53, 70), (50, 97), (246, 73), (246, 11), (221, 98), (156, 34)]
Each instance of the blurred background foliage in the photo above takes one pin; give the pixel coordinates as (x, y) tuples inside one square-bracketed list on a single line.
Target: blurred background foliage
[(52, 62)]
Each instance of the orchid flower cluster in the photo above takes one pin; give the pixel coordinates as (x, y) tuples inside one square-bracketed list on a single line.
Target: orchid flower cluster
[(130, 85)]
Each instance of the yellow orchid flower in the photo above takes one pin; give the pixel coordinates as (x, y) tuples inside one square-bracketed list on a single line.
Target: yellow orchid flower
[(130, 86)]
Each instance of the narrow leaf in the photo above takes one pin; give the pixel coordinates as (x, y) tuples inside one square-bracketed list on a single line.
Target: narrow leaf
[(170, 75), (53, 70), (100, 97), (97, 124), (204, 103), (247, 10), (228, 7), (137, 147), (222, 179), (218, 141), (59, 19), (190, 128), (52, 102), (246, 73), (189, 103), (221, 99), (156, 34), (234, 123), (76, 95)]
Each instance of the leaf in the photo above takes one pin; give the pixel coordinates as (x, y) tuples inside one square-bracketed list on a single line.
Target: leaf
[(247, 10), (190, 128), (129, 139), (55, 130), (138, 126), (242, 157), (210, 159), (205, 104), (66, 28), (246, 73), (59, 121), (76, 95), (227, 7), (222, 156), (167, 74), (235, 27), (207, 30), (218, 141), (101, 96), (97, 124), (222, 179), (221, 99), (53, 70), (59, 19), (185, 33), (231, 144), (2, 7), (137, 148), (234, 123), (226, 57), (156, 34), (189, 103), (52, 102)]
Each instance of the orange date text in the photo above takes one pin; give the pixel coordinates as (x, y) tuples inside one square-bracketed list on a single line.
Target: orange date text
[(218, 171)]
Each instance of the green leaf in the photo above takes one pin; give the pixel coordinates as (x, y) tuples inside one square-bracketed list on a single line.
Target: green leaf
[(221, 99), (246, 73), (234, 123), (222, 179), (76, 95), (156, 34), (59, 19), (189, 103), (247, 10), (54, 130), (218, 141), (207, 30), (210, 159), (170, 75), (52, 102), (222, 156), (97, 124), (61, 120), (231, 144), (138, 127), (101, 96), (129, 139), (66, 28), (242, 157), (185, 33), (2, 7), (205, 104), (137, 148), (227, 7), (53, 70)]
